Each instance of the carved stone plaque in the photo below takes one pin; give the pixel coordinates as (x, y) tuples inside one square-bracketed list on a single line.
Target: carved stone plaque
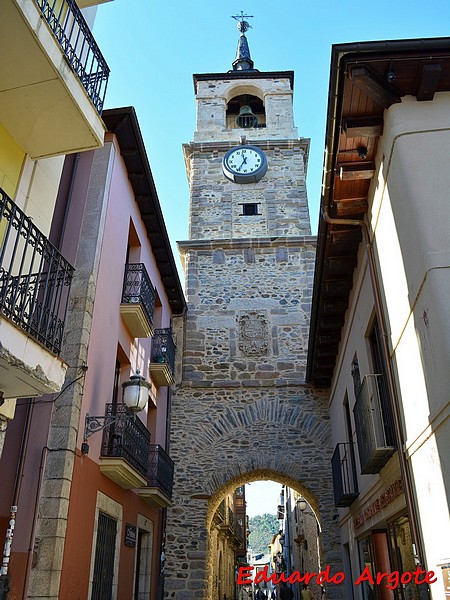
[(253, 333)]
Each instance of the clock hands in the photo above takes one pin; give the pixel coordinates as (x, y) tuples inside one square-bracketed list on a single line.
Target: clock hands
[(244, 161)]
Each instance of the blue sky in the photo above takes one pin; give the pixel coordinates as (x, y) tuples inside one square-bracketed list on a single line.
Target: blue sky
[(153, 48)]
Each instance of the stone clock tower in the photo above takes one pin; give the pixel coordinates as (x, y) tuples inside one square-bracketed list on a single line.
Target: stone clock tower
[(241, 410)]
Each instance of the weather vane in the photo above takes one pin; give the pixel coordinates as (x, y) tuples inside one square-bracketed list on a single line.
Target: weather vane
[(242, 25)]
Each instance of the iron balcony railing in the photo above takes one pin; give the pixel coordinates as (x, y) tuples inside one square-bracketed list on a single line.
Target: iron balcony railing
[(67, 24), (221, 510), (344, 475), (126, 438), (34, 278), (137, 288), (230, 519), (376, 442), (239, 529), (160, 470), (163, 347)]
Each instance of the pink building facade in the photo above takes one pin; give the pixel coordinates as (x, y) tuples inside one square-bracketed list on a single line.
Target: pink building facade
[(93, 492)]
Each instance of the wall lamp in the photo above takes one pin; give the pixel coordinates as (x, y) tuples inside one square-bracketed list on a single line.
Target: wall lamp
[(302, 504), (135, 392)]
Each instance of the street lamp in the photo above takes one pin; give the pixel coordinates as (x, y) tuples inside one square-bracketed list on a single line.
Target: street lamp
[(135, 393), (301, 503)]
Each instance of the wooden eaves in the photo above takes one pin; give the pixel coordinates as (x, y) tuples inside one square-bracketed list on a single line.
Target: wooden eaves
[(365, 80)]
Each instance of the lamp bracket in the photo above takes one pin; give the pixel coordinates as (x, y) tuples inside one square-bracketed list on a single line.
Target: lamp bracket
[(92, 424)]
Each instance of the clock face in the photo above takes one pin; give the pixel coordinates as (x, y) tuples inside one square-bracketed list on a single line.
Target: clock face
[(245, 164)]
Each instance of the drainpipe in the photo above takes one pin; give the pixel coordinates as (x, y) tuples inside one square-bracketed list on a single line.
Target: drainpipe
[(417, 542), (44, 454), (4, 578)]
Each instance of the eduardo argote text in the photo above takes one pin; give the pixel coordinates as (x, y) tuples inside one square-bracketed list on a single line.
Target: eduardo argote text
[(390, 580)]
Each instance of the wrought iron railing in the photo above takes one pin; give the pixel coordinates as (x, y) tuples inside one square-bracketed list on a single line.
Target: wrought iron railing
[(137, 288), (160, 470), (239, 529), (376, 441), (221, 510), (126, 438), (34, 277), (163, 347), (79, 46), (344, 475), (230, 518)]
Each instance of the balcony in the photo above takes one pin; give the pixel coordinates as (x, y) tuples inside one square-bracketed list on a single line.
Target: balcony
[(34, 288), (158, 491), (138, 301), (373, 425), (344, 475), (162, 363), (53, 78), (124, 455)]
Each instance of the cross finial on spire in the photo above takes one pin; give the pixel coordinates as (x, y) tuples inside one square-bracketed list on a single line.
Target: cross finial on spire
[(242, 25), (243, 62)]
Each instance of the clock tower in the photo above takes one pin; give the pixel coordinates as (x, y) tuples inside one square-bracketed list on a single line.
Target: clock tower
[(241, 107), (241, 410)]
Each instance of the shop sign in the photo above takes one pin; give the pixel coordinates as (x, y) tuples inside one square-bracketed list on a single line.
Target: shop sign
[(446, 577), (388, 496)]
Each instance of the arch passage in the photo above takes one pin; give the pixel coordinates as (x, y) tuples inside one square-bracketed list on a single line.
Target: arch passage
[(225, 440)]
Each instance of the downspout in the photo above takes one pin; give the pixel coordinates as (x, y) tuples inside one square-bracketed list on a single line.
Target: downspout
[(15, 499), (417, 542), (44, 454)]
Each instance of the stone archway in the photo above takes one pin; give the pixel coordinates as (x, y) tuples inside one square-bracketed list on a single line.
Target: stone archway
[(227, 489), (229, 437)]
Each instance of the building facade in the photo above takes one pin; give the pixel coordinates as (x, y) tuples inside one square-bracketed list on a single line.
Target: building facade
[(50, 106), (96, 477), (380, 326), (53, 80), (228, 536), (242, 411)]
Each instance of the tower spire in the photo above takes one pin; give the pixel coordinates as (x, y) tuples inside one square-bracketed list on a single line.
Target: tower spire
[(243, 61)]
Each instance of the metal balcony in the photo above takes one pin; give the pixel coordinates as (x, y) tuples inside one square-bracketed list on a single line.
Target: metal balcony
[(375, 436), (344, 475), (158, 489), (34, 288), (79, 46), (34, 278), (138, 301), (162, 363), (125, 450), (52, 93)]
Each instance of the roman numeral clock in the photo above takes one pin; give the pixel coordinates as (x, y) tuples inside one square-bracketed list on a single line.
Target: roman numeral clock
[(244, 164)]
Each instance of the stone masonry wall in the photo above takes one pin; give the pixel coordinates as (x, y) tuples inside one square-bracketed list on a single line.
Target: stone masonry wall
[(242, 407), (216, 203)]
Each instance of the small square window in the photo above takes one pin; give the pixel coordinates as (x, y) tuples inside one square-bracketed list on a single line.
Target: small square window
[(250, 209)]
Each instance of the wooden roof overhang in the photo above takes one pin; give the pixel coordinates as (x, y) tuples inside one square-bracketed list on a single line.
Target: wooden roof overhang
[(124, 124), (365, 79)]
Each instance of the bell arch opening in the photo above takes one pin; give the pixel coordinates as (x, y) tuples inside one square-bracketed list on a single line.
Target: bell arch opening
[(296, 523), (245, 111)]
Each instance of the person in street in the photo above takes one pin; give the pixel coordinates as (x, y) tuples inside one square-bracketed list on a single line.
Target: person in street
[(286, 593), (306, 594)]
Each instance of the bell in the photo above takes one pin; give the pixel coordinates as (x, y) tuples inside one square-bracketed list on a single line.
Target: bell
[(246, 119)]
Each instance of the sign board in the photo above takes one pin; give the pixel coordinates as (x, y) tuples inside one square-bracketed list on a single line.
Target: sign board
[(130, 535)]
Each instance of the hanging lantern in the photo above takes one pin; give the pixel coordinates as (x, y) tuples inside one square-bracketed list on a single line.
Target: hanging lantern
[(135, 392)]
